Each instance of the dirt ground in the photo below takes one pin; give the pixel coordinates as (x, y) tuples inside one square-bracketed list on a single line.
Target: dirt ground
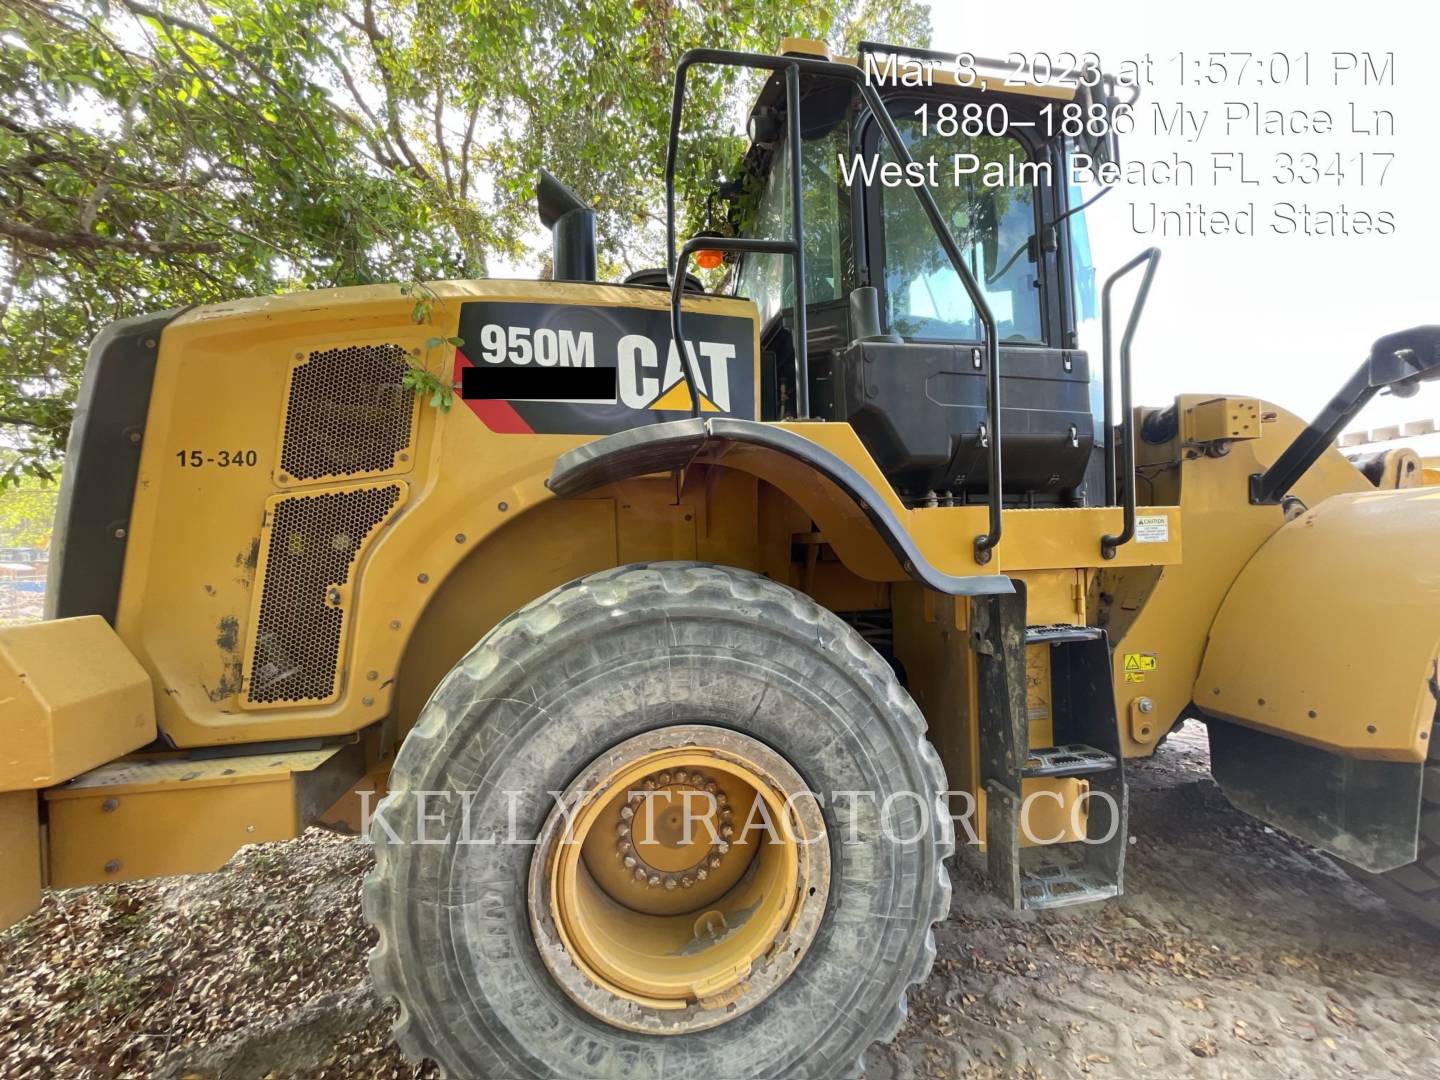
[(1236, 953)]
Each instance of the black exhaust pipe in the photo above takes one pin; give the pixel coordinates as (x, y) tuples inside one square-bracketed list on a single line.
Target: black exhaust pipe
[(572, 229)]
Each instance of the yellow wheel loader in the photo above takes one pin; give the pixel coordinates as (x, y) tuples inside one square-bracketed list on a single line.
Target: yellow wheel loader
[(706, 626)]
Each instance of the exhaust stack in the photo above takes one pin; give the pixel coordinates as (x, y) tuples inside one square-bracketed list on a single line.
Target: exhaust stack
[(572, 228)]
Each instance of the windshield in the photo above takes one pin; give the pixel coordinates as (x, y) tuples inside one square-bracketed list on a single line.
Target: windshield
[(769, 279), (924, 297)]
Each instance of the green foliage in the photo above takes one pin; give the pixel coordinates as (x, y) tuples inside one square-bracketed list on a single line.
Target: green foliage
[(27, 508), (435, 388), (175, 152)]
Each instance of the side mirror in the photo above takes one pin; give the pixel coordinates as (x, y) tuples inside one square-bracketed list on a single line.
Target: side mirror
[(1401, 362), (1105, 146), (1398, 363)]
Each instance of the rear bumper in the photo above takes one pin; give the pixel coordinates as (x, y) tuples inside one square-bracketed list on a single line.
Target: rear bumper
[(154, 815), (77, 705), (74, 698)]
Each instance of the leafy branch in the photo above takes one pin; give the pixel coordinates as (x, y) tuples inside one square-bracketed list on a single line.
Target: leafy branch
[(438, 389)]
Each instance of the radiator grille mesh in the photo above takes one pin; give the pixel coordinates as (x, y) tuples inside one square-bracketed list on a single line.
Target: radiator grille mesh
[(347, 413), (314, 541)]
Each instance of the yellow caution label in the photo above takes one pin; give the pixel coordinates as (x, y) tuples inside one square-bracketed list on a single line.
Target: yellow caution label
[(1137, 664)]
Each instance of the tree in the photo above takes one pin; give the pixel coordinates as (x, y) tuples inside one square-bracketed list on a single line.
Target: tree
[(157, 153), (27, 512)]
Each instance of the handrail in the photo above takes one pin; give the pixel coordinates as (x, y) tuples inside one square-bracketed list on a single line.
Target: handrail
[(794, 247), (677, 289), (1150, 256), (793, 66)]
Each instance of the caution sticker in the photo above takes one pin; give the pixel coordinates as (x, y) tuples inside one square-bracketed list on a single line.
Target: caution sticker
[(1137, 664), (1152, 529)]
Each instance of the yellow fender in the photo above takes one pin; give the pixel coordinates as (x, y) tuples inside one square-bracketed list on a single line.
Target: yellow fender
[(1331, 632)]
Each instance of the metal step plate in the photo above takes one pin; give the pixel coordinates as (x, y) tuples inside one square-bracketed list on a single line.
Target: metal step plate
[(1050, 886), (1054, 633), (1073, 760)]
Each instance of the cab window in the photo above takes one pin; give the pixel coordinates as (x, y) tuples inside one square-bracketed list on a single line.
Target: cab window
[(924, 297), (769, 279)]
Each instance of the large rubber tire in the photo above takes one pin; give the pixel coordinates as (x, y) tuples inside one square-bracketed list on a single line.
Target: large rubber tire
[(1415, 887), (558, 683)]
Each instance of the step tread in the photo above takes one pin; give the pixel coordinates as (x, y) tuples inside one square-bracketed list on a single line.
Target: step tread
[(1050, 886), (1051, 633), (1075, 759)]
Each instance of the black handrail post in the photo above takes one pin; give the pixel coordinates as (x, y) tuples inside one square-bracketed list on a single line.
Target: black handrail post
[(677, 280), (985, 543), (672, 148), (1112, 491), (677, 288), (1151, 257), (797, 233)]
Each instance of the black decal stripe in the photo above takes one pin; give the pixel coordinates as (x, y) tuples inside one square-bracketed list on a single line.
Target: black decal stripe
[(539, 383)]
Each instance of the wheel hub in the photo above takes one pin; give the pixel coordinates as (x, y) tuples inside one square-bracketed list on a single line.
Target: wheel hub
[(680, 879), (674, 834)]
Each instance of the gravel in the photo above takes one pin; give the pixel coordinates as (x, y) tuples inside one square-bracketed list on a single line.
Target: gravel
[(1235, 953)]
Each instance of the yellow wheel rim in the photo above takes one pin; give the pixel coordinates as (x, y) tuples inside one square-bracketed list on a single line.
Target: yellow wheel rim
[(679, 879)]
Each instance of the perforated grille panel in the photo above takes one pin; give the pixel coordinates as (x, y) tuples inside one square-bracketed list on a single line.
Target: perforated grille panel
[(314, 541), (347, 414)]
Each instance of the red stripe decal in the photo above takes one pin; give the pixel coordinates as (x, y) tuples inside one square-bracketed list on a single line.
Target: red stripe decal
[(498, 416)]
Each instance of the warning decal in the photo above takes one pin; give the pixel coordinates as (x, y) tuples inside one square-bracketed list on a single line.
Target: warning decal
[(1152, 529), (1137, 664)]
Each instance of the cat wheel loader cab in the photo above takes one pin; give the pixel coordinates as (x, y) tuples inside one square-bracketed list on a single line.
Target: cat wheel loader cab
[(702, 629)]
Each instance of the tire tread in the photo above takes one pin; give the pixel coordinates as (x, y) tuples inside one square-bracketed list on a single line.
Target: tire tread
[(609, 586)]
